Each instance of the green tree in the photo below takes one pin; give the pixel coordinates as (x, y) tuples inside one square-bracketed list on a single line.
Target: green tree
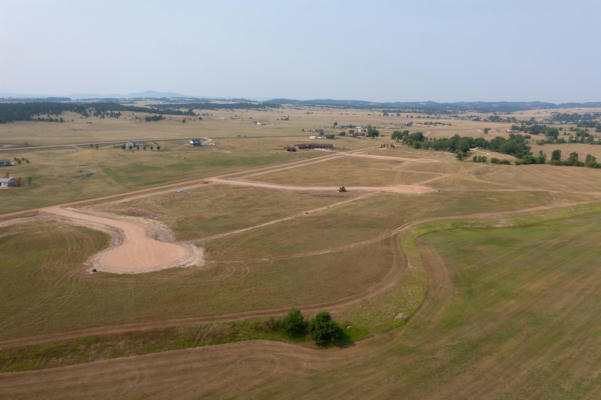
[(398, 135), (556, 155), (541, 158), (294, 323), (573, 158), (323, 330), (591, 161), (372, 132)]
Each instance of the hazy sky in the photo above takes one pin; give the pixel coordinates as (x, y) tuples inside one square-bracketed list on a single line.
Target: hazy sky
[(371, 50)]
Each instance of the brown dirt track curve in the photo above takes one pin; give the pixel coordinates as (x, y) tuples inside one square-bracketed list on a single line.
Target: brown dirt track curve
[(402, 189), (137, 252)]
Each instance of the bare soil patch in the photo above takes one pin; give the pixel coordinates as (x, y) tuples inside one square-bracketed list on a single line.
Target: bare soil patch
[(136, 252)]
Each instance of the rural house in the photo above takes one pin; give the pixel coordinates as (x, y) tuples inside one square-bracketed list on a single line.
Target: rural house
[(6, 163), (131, 145), (6, 182)]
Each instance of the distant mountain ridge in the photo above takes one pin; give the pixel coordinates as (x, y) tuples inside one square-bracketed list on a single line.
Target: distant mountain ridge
[(395, 106), (432, 106)]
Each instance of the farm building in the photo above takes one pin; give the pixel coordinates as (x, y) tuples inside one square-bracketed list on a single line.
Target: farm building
[(6, 163), (360, 131), (131, 145), (6, 182)]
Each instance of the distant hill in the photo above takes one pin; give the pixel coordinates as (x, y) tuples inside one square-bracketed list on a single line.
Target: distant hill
[(435, 107), (152, 94)]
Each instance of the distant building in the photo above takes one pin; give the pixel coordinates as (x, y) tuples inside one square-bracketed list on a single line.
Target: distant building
[(131, 145), (6, 163), (6, 182), (360, 131)]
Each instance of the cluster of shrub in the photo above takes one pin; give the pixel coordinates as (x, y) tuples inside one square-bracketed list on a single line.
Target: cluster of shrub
[(20, 160), (590, 160), (541, 158), (152, 118), (537, 129), (143, 147), (515, 145), (322, 329)]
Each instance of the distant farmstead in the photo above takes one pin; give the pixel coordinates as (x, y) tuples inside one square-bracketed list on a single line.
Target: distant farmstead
[(6, 163), (6, 182)]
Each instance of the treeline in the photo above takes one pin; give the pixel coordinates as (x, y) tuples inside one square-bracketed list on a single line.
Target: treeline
[(537, 129), (515, 145), (152, 118), (216, 106), (10, 112), (590, 161), (575, 117)]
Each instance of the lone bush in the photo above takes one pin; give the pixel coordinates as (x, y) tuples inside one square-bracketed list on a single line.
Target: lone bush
[(323, 330), (294, 323)]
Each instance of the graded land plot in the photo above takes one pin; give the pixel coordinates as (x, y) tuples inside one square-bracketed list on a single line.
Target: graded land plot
[(497, 329), (63, 175), (46, 287), (371, 219), (350, 171), (218, 209), (402, 151), (544, 177)]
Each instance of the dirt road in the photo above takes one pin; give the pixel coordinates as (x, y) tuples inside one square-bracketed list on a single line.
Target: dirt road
[(392, 158), (405, 189)]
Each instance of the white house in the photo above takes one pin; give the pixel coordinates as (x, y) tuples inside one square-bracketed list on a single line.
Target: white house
[(6, 182)]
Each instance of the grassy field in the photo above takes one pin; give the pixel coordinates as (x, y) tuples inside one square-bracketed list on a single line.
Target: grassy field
[(514, 316), (45, 287), (67, 175), (231, 123), (214, 209), (485, 288)]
